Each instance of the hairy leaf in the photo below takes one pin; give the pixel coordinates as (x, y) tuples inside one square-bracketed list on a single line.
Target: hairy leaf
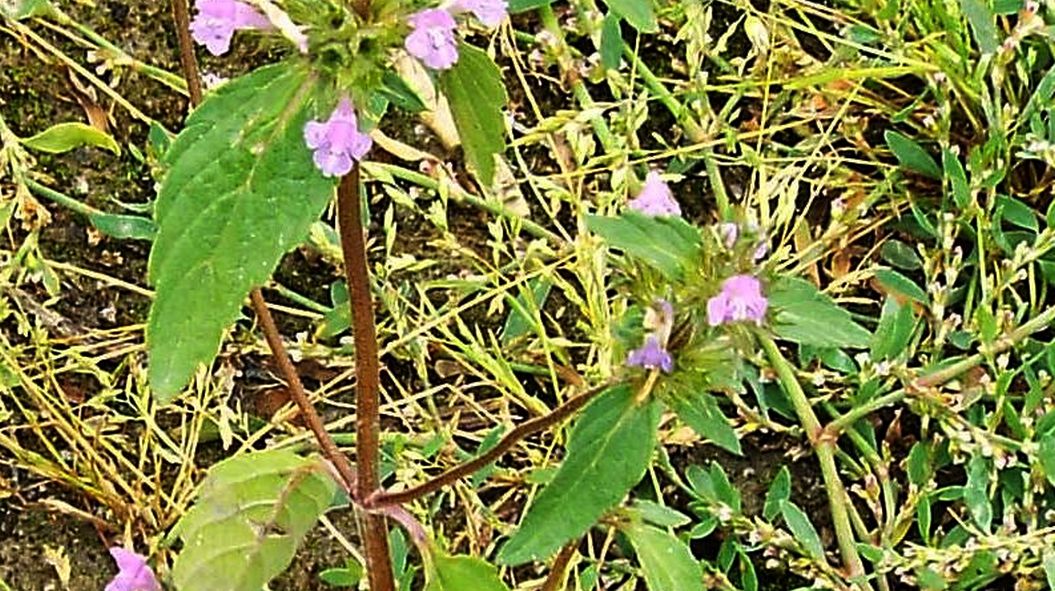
[(612, 444), (806, 316), (669, 244), (667, 562), (253, 511), (240, 192), (474, 89)]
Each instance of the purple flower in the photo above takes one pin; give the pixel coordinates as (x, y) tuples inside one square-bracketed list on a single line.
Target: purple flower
[(133, 572), (337, 141), (489, 12), (655, 198), (740, 299), (651, 355), (432, 40), (217, 20)]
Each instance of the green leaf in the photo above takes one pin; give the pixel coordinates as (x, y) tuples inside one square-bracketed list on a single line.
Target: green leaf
[(517, 6), (667, 562), (459, 573), (669, 244), (241, 191), (779, 492), (349, 576), (23, 9), (1049, 567), (638, 13), (961, 190), (1017, 213), (806, 316), (396, 89), (892, 336), (700, 411), (611, 443), (64, 137), (983, 24), (911, 156), (474, 89), (611, 41), (1047, 456), (802, 530), (124, 227), (899, 284), (900, 255), (520, 320), (919, 464), (975, 493), (660, 515), (252, 513)]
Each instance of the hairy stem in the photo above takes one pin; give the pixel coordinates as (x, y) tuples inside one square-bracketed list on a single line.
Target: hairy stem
[(825, 450), (367, 380), (505, 444)]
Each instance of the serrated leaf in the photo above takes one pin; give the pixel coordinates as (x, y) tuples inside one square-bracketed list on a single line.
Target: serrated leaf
[(241, 191), (911, 155), (64, 137), (611, 443), (669, 244), (611, 41), (638, 13), (700, 411), (983, 24), (252, 513), (802, 530), (667, 562), (806, 316), (460, 573), (778, 493), (474, 89)]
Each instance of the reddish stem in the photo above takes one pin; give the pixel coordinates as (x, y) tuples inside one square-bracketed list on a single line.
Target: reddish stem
[(367, 379), (186, 50), (460, 471)]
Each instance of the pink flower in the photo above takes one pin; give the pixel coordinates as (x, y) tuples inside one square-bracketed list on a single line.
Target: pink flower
[(651, 355), (432, 40), (740, 299), (217, 20), (655, 198), (489, 12), (337, 141), (133, 574)]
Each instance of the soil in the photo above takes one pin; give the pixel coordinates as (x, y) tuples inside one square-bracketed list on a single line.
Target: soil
[(34, 95)]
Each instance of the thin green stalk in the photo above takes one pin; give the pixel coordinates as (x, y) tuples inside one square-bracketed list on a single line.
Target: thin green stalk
[(458, 194), (173, 81), (824, 447), (936, 378), (692, 129), (578, 87)]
